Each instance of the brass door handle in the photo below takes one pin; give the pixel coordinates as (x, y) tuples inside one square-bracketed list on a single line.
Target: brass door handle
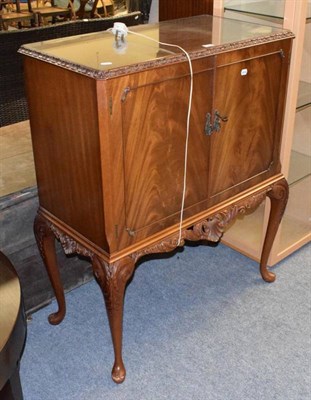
[(208, 129), (215, 126)]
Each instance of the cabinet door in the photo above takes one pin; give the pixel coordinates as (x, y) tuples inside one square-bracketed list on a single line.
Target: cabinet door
[(154, 136), (249, 95)]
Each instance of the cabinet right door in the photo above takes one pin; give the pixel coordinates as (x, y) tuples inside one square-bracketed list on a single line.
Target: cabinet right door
[(250, 89)]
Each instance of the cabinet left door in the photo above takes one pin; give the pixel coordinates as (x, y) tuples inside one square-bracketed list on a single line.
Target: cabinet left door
[(154, 125)]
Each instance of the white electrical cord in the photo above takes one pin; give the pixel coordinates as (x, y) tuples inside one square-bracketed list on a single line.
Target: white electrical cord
[(120, 31)]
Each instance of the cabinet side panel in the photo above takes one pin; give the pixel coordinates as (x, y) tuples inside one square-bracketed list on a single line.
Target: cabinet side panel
[(64, 128)]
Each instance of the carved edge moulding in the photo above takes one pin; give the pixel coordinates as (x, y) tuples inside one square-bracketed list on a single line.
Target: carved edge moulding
[(112, 275), (160, 62)]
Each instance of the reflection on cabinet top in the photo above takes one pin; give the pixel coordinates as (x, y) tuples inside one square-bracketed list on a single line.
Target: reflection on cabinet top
[(265, 8), (99, 55)]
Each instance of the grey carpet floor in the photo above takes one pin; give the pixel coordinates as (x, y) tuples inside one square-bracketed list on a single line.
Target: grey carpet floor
[(198, 325)]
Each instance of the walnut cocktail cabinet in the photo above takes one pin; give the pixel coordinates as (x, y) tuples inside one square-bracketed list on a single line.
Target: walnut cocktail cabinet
[(109, 126)]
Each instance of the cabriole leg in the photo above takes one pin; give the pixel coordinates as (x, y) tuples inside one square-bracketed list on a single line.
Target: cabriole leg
[(278, 197), (46, 243), (112, 279)]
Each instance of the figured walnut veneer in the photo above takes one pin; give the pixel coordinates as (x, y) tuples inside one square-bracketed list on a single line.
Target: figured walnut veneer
[(109, 155), (169, 9)]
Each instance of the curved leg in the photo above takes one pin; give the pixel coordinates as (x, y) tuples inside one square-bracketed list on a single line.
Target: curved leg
[(112, 279), (278, 196), (46, 243)]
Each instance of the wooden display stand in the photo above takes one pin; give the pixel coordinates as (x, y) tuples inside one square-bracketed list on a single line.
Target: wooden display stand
[(110, 170)]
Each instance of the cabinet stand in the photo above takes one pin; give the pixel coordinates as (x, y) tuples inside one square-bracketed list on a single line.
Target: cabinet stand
[(113, 275)]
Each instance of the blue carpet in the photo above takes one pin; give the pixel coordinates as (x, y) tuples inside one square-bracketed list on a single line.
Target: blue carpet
[(199, 325)]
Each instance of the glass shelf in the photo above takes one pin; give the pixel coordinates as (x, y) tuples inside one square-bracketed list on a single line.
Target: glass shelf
[(304, 95), (300, 167), (296, 223), (300, 161), (246, 235), (270, 8), (264, 8)]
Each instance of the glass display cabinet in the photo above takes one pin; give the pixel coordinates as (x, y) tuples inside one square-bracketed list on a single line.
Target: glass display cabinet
[(295, 230)]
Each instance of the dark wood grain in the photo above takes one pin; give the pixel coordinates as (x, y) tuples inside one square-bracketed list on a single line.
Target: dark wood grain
[(46, 245), (171, 9), (66, 147), (154, 136), (278, 198), (243, 151)]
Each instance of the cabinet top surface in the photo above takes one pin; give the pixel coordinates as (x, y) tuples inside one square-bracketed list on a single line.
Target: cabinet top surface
[(101, 56)]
